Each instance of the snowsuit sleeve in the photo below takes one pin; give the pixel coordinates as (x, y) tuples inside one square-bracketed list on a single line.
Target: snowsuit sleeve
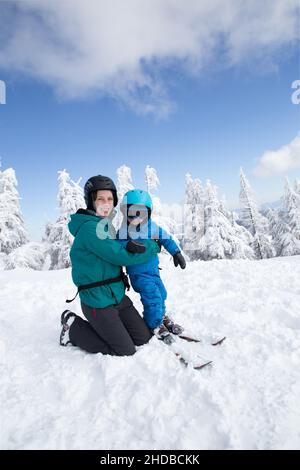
[(165, 239), (113, 252)]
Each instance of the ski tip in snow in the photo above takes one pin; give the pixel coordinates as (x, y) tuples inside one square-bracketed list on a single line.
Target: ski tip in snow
[(201, 366), (191, 339), (218, 342), (186, 363)]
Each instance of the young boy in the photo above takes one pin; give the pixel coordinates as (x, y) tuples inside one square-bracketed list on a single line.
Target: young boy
[(137, 225)]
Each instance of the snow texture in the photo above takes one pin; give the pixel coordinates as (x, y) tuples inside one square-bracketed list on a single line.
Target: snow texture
[(63, 398)]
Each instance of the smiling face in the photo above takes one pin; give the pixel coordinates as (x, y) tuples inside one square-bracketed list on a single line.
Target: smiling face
[(104, 202)]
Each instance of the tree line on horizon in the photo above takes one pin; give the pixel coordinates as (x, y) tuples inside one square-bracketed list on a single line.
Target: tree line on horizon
[(205, 228)]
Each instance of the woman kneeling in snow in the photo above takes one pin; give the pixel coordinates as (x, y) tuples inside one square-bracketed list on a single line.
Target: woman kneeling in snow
[(113, 324)]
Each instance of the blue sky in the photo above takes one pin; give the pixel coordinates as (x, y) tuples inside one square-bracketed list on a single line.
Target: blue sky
[(219, 117)]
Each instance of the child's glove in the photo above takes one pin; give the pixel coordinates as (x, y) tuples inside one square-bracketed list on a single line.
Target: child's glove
[(134, 246), (171, 326), (163, 334), (179, 259)]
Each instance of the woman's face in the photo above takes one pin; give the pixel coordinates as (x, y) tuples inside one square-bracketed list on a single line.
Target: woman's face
[(104, 202)]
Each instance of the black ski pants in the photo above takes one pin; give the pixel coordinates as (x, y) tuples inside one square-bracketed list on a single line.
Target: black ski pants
[(114, 330)]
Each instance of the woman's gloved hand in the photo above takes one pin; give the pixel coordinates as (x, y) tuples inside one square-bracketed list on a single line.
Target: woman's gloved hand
[(179, 260), (133, 246)]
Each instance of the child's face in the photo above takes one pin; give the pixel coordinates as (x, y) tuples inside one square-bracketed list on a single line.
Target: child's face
[(104, 202), (137, 214)]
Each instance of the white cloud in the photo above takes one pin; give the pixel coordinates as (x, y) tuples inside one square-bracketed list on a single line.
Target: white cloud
[(118, 47), (281, 161)]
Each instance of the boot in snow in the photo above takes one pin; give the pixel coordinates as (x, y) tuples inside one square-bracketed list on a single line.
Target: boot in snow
[(67, 318), (171, 326), (162, 333)]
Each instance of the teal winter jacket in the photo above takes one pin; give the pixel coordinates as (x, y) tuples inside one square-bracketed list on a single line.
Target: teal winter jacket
[(96, 256)]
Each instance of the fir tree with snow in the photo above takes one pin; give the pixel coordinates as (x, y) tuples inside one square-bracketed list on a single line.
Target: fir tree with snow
[(172, 217), (297, 186), (289, 229), (255, 222), (151, 178), (57, 235), (199, 205), (124, 181), (124, 184), (189, 209), (165, 220), (193, 225), (3, 261), (31, 255), (12, 229), (152, 184), (243, 249), (221, 238), (275, 218)]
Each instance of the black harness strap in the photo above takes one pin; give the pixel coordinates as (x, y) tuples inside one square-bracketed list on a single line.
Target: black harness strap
[(121, 277)]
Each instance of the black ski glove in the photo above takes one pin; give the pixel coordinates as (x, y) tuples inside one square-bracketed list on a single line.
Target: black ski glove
[(179, 260), (133, 246)]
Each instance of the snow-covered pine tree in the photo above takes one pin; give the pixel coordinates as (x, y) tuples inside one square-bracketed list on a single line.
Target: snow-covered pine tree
[(276, 224), (12, 230), (3, 261), (31, 255), (188, 227), (124, 184), (3, 256), (124, 181), (70, 194), (253, 221), (152, 184), (158, 215), (172, 220), (289, 227), (297, 186), (193, 215), (221, 238), (223, 207), (189, 230), (57, 236), (198, 216), (151, 178), (244, 247), (16, 250)]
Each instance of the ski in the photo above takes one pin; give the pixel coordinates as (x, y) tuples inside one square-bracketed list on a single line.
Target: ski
[(198, 363), (203, 365), (179, 333), (191, 339), (218, 342), (186, 362)]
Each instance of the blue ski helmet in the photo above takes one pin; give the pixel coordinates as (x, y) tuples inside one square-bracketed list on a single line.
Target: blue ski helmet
[(137, 197)]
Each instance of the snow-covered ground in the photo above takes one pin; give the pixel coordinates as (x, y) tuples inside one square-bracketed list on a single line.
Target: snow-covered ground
[(63, 398)]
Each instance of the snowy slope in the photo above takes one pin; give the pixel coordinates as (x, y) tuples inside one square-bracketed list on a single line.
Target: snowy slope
[(59, 398)]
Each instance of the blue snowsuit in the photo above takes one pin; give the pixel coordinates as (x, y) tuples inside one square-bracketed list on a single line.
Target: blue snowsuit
[(144, 277)]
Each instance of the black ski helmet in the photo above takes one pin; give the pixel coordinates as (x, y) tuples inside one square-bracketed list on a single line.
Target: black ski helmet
[(96, 183)]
